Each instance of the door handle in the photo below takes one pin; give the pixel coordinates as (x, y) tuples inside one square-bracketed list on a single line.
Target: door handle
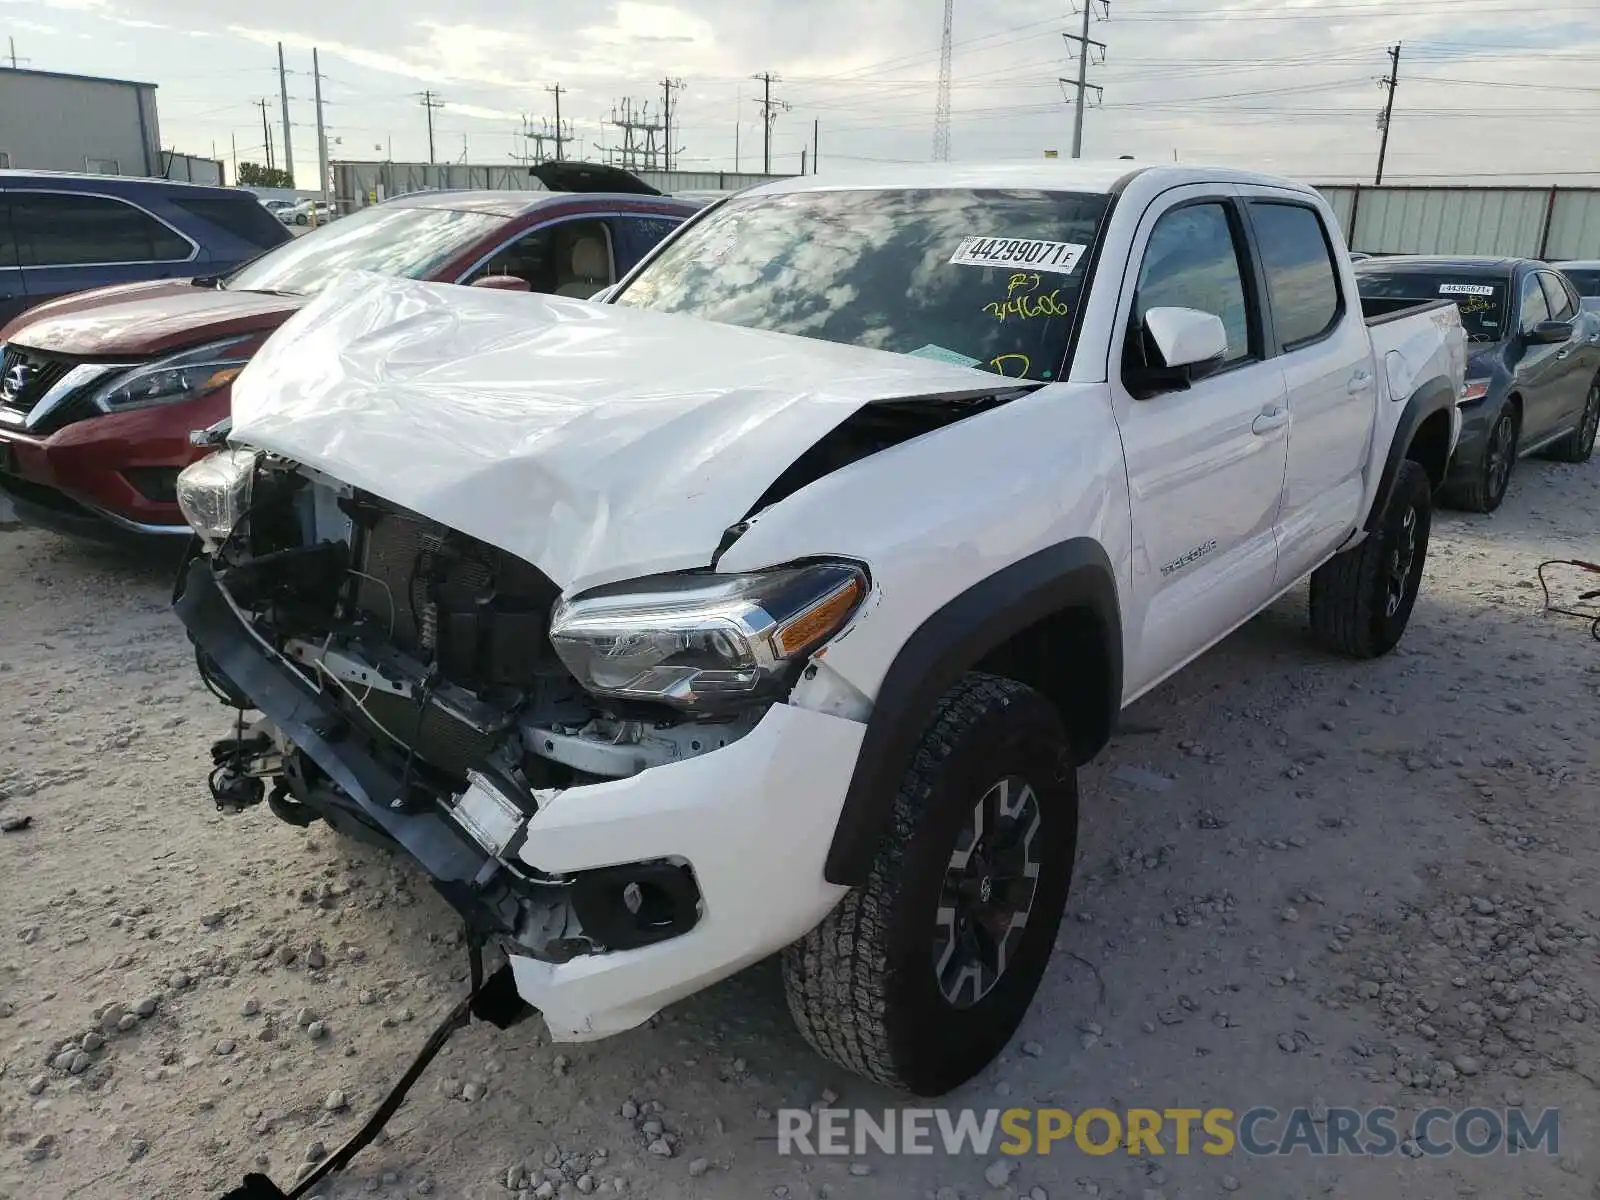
[(1359, 382), (1273, 418)]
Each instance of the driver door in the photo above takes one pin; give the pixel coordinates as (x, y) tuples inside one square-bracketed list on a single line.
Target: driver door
[(1205, 462)]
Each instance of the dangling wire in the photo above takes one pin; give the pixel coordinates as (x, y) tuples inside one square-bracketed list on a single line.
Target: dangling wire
[(1590, 615)]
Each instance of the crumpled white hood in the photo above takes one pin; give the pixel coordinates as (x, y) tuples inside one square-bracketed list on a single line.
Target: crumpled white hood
[(597, 442)]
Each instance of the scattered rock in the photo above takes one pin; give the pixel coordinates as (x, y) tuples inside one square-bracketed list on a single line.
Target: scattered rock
[(661, 1148), (1229, 1183), (1287, 1044), (998, 1173), (317, 1030), (126, 1022), (178, 980), (16, 824), (251, 1007), (225, 1046), (147, 1006), (337, 1102), (1032, 1049), (137, 1149), (316, 959), (699, 1166), (473, 1091), (37, 1085), (92, 1042)]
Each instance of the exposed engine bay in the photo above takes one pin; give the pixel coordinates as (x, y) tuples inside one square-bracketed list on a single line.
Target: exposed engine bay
[(433, 649)]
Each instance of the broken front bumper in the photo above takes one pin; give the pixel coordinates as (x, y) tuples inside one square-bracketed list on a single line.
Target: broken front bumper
[(753, 821)]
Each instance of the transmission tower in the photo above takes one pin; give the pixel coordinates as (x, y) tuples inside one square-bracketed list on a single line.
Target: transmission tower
[(639, 150), (1081, 84), (941, 118)]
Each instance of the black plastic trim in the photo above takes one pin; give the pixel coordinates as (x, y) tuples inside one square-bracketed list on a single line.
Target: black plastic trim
[(283, 695), (1431, 398), (1074, 573)]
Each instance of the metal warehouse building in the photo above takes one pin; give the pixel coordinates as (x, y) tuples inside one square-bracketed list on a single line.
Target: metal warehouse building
[(54, 122)]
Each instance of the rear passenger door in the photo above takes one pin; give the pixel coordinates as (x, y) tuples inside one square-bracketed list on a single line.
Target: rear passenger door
[(1314, 325), (1574, 370), (1205, 461), (1540, 371), (71, 241)]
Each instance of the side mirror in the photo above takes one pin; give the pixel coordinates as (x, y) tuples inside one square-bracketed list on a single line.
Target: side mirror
[(1549, 333), (503, 283), (1188, 344), (1187, 338)]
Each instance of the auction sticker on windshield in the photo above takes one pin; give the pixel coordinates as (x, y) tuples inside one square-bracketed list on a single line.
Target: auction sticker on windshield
[(1465, 289), (1059, 257)]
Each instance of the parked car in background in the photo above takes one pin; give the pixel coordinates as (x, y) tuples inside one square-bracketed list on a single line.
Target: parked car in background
[(64, 233), (99, 392), (304, 212), (1585, 277), (276, 207), (1533, 381)]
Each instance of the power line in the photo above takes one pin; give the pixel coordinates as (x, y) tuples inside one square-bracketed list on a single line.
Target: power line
[(769, 115), (1081, 84), (431, 102), (1384, 120), (941, 111)]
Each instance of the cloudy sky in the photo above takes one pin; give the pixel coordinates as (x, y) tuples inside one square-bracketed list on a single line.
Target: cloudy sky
[(1489, 89)]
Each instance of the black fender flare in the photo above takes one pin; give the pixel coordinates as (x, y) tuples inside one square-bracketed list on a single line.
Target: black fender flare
[(1432, 397), (1073, 574)]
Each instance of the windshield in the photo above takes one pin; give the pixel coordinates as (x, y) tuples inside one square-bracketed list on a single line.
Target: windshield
[(1586, 281), (983, 278), (409, 242), (1481, 299)]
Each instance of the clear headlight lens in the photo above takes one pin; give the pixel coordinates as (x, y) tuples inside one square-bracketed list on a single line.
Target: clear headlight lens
[(704, 643), (214, 493), (183, 376), (1474, 389)]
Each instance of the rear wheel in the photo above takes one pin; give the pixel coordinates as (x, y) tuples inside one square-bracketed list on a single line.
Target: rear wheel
[(1578, 446), (921, 976), (1486, 487), (1361, 600)]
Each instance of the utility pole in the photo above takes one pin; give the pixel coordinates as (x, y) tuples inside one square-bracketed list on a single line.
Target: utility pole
[(769, 113), (431, 102), (559, 134), (266, 131), (1081, 84), (322, 134), (12, 43), (1392, 82), (668, 86), (941, 113), (233, 144), (816, 140), (283, 95)]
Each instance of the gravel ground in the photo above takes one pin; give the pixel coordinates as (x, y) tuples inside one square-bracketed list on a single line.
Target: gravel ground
[(1301, 882)]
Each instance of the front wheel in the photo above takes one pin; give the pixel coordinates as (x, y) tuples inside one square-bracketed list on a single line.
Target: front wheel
[(919, 978), (1361, 600), (1578, 446), (1484, 489)]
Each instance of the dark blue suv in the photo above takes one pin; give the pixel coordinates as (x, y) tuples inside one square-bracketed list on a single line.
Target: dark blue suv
[(67, 233)]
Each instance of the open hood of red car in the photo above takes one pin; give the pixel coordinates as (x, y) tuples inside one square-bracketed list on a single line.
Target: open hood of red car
[(141, 319)]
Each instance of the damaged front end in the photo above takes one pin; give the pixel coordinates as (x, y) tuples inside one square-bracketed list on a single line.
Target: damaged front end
[(424, 690)]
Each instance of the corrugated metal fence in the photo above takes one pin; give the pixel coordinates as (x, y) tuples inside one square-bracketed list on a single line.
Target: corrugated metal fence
[(358, 184), (1549, 223)]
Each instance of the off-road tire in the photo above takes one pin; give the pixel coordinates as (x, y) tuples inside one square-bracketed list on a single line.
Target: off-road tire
[(862, 986), (1350, 593), (1478, 492), (1578, 446)]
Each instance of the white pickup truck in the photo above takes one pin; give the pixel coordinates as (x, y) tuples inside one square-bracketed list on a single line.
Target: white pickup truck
[(770, 604)]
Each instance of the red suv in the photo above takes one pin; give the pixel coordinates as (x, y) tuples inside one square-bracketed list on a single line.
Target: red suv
[(99, 391)]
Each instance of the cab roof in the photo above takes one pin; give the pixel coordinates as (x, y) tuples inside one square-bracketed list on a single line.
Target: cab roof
[(1053, 175)]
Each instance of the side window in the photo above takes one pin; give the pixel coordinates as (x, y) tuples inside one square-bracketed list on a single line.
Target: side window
[(568, 258), (1302, 281), (63, 229), (1532, 307), (1555, 293), (637, 236), (1193, 261)]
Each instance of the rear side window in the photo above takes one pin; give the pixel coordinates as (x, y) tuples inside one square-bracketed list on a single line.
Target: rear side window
[(64, 229), (1587, 282), (1302, 281), (243, 217), (637, 236)]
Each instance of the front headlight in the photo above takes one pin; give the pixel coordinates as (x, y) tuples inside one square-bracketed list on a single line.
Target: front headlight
[(1474, 389), (185, 376), (214, 493), (704, 643)]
